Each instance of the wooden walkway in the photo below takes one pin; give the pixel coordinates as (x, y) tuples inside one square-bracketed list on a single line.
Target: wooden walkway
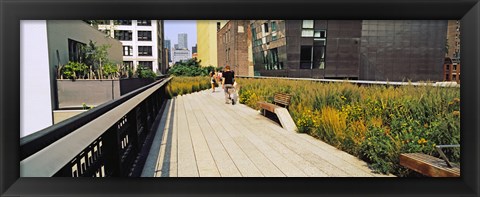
[(201, 136)]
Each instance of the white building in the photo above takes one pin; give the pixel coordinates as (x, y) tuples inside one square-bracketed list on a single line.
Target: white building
[(44, 44), (142, 41), (181, 55)]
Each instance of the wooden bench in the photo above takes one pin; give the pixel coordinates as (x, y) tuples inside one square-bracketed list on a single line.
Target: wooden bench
[(279, 100), (429, 165)]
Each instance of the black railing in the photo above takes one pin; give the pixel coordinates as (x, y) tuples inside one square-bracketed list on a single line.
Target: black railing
[(105, 141)]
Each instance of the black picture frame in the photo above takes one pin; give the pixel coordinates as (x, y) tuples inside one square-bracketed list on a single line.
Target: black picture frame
[(12, 11)]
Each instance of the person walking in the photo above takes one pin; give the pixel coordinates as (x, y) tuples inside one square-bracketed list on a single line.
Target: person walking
[(228, 78), (212, 80)]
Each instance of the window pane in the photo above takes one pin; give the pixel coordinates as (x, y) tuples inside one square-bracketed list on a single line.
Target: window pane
[(307, 24), (144, 22), (320, 34), (307, 33), (123, 22), (144, 51), (274, 26), (318, 56), (144, 35), (306, 57)]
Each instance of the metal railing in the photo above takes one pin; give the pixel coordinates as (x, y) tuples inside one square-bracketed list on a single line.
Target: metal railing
[(362, 82), (105, 141)]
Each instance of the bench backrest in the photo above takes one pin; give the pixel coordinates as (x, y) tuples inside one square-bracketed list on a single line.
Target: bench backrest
[(282, 98)]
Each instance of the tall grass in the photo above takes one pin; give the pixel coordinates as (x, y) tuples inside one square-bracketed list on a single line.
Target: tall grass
[(376, 123), (187, 85)]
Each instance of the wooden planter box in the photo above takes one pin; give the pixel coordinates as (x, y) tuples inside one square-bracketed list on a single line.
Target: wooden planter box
[(73, 94)]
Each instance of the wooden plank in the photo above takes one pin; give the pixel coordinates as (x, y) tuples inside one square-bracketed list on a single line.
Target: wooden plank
[(354, 170), (187, 164), (267, 159), (268, 106), (428, 165), (205, 162), (246, 167)]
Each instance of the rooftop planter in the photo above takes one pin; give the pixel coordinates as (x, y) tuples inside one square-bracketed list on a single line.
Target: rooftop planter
[(94, 79)]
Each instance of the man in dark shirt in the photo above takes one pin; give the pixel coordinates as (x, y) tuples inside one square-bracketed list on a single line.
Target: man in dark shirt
[(228, 78)]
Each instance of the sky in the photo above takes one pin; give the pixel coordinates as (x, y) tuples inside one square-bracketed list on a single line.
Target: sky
[(174, 27)]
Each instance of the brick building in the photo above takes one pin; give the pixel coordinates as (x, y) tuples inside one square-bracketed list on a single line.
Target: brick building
[(234, 47)]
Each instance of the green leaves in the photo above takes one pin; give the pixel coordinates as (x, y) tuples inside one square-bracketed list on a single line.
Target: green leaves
[(74, 70), (190, 68)]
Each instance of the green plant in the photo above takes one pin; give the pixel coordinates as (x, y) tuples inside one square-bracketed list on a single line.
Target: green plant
[(145, 73), (74, 70), (375, 123), (186, 85), (110, 70)]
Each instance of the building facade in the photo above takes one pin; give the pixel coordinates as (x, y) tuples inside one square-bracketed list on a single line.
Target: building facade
[(233, 47), (453, 39), (181, 55), (207, 41), (142, 42), (350, 49)]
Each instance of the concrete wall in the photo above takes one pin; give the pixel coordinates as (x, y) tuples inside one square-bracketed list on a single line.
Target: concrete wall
[(35, 97)]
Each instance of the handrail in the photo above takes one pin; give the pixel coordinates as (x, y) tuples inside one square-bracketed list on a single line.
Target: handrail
[(50, 151), (40, 139), (393, 83)]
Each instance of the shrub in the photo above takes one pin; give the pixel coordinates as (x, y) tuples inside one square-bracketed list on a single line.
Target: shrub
[(187, 85), (144, 72)]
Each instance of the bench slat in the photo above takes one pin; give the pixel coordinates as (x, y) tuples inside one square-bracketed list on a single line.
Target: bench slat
[(428, 165), (267, 106)]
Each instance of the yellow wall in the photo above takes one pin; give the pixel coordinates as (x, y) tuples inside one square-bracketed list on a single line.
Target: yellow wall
[(207, 41)]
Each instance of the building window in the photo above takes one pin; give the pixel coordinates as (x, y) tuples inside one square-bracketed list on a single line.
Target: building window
[(103, 22), (75, 53), (265, 25), (218, 26), (306, 57), (319, 57), (270, 59), (144, 36), (274, 26), (144, 22), (307, 28), (127, 50), (320, 34), (123, 22), (128, 64), (144, 51), (123, 34), (106, 31), (146, 64)]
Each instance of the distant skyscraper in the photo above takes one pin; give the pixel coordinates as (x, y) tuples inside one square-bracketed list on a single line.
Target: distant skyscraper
[(182, 41), (168, 46), (175, 46), (194, 49)]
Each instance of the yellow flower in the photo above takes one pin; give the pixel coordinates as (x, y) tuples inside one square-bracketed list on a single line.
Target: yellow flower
[(425, 125), (456, 113), (456, 100)]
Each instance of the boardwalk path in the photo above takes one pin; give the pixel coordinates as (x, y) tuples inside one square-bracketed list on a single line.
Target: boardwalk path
[(201, 136)]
